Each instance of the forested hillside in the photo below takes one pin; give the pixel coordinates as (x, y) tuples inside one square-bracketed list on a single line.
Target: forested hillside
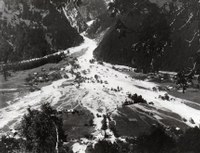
[(170, 28)]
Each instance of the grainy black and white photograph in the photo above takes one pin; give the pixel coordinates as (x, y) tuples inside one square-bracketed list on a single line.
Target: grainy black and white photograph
[(99, 76)]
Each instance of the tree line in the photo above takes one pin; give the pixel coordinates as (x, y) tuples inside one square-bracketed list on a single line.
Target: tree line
[(41, 131)]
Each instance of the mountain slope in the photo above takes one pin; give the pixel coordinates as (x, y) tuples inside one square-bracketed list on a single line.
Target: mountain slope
[(35, 28), (183, 18)]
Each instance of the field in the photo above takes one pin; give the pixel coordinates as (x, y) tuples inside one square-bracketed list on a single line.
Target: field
[(191, 94), (134, 121), (131, 123), (15, 86), (79, 124)]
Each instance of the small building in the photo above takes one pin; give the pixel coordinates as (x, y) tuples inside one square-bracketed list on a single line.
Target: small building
[(132, 120)]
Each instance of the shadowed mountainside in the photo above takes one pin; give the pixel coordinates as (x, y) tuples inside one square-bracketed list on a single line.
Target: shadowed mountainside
[(34, 28), (183, 19)]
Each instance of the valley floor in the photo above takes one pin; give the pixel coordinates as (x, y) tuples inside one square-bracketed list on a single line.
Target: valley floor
[(101, 89)]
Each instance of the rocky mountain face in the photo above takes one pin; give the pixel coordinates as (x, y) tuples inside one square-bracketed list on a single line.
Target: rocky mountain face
[(185, 24), (34, 28), (181, 16), (71, 11), (91, 9), (96, 15), (82, 11)]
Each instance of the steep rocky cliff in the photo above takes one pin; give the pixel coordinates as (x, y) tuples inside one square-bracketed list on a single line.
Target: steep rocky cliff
[(183, 18), (71, 11), (35, 28)]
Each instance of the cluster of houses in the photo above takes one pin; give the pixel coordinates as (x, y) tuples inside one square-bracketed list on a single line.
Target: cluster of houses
[(43, 76)]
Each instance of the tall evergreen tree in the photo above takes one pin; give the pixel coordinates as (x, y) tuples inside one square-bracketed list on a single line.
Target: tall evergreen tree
[(42, 130)]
